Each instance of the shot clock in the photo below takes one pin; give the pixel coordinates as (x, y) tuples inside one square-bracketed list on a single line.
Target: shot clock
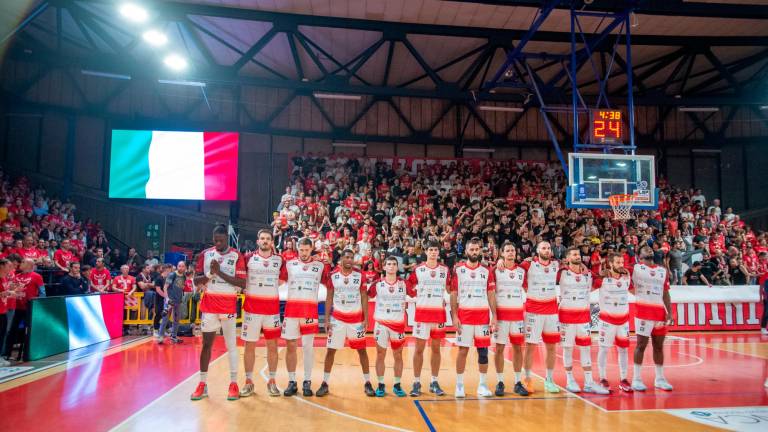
[(606, 126)]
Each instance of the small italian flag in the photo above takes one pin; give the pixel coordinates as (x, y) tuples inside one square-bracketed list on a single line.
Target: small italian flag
[(173, 165)]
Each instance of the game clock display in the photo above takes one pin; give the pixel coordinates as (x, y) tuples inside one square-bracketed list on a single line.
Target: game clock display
[(606, 126)]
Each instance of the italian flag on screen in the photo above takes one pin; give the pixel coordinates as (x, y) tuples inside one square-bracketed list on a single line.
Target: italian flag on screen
[(173, 165)]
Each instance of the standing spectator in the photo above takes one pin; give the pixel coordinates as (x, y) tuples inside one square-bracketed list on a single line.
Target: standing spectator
[(151, 260), (173, 291), (116, 259), (100, 277), (738, 274), (159, 287), (693, 276), (74, 283), (29, 286), (134, 261), (126, 284), (5, 292)]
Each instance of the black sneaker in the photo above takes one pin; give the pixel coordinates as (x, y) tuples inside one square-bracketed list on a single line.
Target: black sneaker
[(175, 340), (292, 389), (322, 391), (499, 389), (306, 389), (520, 389), (416, 390), (434, 387), (369, 389)]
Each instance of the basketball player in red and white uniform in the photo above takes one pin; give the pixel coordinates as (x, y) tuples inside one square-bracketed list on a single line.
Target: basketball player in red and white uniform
[(575, 285), (390, 293), (221, 275), (541, 315), (125, 284), (510, 307), (473, 306), (101, 279), (261, 311), (303, 275), (653, 312), (613, 328), (430, 282), (348, 294)]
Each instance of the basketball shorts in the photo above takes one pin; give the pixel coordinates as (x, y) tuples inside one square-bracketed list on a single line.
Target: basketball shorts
[(509, 332), (428, 331), (650, 328), (255, 324), (540, 328), (469, 335), (294, 328), (575, 334), (386, 337), (212, 322), (339, 331), (613, 334)]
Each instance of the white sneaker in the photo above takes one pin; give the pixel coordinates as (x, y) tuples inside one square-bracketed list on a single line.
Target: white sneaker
[(637, 385), (160, 339), (764, 331), (4, 363), (663, 384), (595, 388), (483, 391), (155, 333), (573, 387), (459, 393)]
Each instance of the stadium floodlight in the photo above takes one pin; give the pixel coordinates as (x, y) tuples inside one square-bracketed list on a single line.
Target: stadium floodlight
[(134, 12), (104, 74), (182, 83), (479, 150), (155, 37), (175, 62), (337, 96), (349, 144), (500, 108), (763, 107), (698, 109)]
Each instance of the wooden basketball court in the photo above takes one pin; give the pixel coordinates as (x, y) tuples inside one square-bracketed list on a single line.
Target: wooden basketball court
[(144, 387)]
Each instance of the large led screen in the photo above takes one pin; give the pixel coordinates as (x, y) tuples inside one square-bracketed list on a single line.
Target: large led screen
[(173, 165)]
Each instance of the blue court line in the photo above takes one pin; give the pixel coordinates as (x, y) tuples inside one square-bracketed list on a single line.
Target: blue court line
[(425, 416)]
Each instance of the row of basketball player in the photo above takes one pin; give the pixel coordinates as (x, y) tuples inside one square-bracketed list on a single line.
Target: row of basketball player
[(484, 302)]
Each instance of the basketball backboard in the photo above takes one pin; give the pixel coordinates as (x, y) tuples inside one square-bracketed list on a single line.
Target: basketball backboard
[(593, 177)]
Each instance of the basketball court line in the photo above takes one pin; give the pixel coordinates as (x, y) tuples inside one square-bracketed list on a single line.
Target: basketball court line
[(163, 396), (331, 410)]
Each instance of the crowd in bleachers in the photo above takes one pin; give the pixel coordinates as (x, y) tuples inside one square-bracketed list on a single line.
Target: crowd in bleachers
[(389, 207)]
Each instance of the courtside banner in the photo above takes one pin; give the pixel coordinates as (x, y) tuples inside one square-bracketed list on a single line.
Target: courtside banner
[(61, 324), (173, 165), (745, 419)]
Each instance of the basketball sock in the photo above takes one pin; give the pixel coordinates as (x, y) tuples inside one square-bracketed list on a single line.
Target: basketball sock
[(585, 356), (249, 376), (527, 373), (380, 379), (588, 376), (660, 372), (307, 348), (500, 376), (623, 361), (416, 379), (233, 376), (203, 376), (567, 356), (272, 375), (367, 377), (637, 372), (230, 341), (550, 372), (433, 379), (397, 380), (568, 376), (291, 376), (602, 360), (483, 379), (460, 379), (517, 377), (326, 377)]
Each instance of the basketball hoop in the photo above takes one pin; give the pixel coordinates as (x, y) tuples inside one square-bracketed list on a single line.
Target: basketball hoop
[(622, 206)]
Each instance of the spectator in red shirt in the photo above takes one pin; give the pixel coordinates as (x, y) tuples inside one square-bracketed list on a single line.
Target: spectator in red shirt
[(28, 285), (100, 278)]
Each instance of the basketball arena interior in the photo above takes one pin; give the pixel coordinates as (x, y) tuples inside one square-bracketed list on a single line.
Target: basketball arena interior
[(383, 215)]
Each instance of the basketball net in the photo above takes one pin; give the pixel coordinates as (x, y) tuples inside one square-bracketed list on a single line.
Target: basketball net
[(622, 206)]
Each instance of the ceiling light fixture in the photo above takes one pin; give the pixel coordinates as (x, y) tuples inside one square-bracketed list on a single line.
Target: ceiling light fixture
[(104, 74), (134, 12), (337, 96), (182, 83), (698, 109), (500, 108), (155, 38), (175, 62)]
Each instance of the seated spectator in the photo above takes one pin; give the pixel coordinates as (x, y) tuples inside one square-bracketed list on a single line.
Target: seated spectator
[(74, 282)]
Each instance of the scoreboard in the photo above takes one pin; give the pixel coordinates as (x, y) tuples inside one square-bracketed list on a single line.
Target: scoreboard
[(606, 126)]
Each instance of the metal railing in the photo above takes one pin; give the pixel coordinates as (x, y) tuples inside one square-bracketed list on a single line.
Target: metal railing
[(140, 314)]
